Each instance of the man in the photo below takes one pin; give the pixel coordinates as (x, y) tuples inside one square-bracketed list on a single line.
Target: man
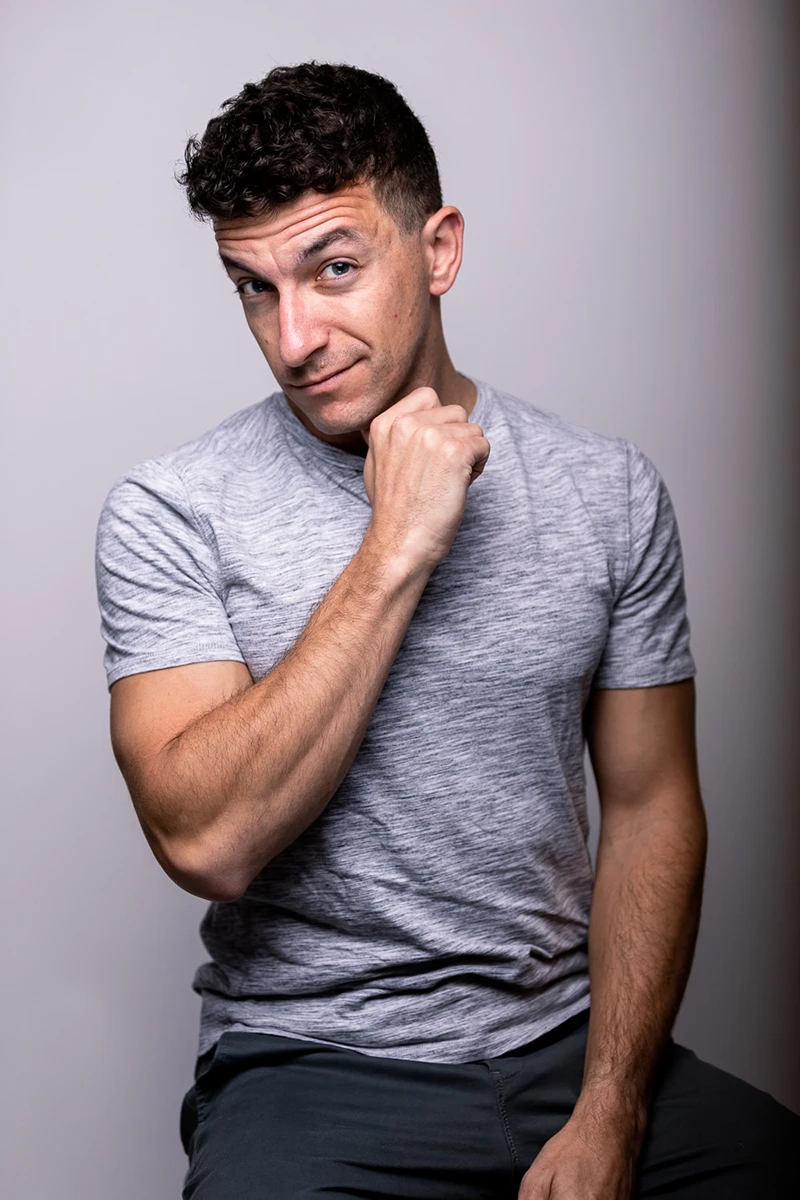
[(349, 696)]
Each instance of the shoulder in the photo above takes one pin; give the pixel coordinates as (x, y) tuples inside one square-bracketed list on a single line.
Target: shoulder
[(579, 473), (200, 467), (559, 447), (551, 429)]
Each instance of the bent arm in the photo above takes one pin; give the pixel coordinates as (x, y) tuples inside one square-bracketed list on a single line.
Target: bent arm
[(238, 783)]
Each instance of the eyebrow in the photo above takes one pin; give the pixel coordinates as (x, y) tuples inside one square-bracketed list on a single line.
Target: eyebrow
[(316, 247)]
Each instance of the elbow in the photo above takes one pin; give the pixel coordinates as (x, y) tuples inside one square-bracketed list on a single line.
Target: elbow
[(193, 859), (199, 873)]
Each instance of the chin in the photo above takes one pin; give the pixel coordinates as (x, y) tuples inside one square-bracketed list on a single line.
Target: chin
[(340, 412), (333, 419)]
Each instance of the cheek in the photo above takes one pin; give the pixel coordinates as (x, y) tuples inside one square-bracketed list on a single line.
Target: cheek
[(405, 310), (261, 328)]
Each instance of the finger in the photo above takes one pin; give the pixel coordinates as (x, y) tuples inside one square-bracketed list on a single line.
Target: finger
[(443, 415), (461, 426), (434, 432), (480, 448), (452, 415), (480, 463), (535, 1189), (417, 401), (438, 414), (420, 398)]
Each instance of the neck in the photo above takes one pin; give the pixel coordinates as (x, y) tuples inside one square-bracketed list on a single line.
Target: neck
[(434, 368), (449, 385)]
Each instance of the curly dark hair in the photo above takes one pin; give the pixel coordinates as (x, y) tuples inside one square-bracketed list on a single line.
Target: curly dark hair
[(315, 126)]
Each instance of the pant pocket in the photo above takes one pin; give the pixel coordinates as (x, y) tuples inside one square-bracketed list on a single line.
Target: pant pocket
[(193, 1105)]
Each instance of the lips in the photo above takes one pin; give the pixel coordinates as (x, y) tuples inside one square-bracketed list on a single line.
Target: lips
[(324, 378)]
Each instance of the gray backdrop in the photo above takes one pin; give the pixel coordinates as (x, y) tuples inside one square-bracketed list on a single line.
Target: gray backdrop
[(622, 167)]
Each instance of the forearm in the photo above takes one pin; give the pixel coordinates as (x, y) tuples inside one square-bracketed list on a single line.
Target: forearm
[(642, 933), (244, 780)]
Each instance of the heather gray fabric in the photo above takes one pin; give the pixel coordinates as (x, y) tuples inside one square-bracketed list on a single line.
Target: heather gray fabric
[(438, 908)]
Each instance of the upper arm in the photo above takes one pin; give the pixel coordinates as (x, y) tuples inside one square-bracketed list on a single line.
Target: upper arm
[(171, 653), (642, 748), (640, 717), (151, 709)]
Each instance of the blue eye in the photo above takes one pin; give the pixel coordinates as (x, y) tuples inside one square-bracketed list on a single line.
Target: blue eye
[(340, 269)]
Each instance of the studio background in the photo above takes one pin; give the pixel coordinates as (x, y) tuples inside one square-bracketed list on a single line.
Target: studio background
[(625, 171)]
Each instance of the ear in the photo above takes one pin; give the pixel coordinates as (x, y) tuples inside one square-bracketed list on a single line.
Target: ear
[(443, 239)]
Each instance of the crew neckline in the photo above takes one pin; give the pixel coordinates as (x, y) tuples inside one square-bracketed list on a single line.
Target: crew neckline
[(344, 462)]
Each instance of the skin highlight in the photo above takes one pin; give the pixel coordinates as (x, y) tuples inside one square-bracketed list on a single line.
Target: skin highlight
[(363, 307)]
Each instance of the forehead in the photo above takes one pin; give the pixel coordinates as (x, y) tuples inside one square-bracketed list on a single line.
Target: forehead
[(287, 228)]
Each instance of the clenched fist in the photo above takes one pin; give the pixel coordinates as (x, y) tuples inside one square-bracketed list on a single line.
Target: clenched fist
[(422, 457)]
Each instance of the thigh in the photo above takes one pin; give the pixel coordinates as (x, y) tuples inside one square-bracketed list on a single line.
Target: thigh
[(538, 1085), (711, 1136), (289, 1119)]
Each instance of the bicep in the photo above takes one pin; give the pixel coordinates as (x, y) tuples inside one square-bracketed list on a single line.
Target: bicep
[(642, 746), (152, 708)]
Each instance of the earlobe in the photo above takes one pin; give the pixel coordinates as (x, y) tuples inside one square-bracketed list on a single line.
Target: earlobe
[(446, 233)]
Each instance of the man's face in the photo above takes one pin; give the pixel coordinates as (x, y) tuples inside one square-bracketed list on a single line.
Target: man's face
[(338, 300)]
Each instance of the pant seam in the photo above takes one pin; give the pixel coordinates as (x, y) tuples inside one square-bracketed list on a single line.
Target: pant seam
[(501, 1105)]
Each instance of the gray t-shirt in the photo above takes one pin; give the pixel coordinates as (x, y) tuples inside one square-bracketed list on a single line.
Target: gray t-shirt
[(438, 908)]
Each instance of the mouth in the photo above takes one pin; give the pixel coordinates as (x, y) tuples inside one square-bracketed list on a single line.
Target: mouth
[(321, 385)]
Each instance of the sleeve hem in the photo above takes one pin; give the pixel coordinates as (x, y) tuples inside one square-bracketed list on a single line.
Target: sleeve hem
[(205, 652), (645, 679)]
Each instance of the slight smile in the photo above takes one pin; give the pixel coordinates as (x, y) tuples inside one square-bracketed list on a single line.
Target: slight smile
[(319, 385)]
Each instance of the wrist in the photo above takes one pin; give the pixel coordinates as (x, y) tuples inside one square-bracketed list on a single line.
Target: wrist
[(613, 1110), (395, 567)]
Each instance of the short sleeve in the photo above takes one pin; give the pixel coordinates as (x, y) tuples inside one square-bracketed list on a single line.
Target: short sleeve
[(648, 635), (157, 578)]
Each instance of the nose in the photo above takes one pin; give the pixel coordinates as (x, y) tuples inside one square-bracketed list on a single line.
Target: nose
[(301, 330)]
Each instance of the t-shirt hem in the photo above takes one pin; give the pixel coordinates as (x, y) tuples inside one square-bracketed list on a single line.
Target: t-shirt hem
[(501, 1042)]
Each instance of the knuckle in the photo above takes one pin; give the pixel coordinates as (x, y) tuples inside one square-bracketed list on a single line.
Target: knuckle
[(405, 420), (429, 436)]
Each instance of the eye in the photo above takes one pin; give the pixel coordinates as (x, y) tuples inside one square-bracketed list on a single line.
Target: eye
[(252, 287), (339, 269)]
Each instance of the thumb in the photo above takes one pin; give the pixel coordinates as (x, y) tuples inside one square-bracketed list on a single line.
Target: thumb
[(365, 433)]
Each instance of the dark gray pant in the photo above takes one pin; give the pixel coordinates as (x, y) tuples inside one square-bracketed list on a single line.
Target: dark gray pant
[(277, 1118)]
